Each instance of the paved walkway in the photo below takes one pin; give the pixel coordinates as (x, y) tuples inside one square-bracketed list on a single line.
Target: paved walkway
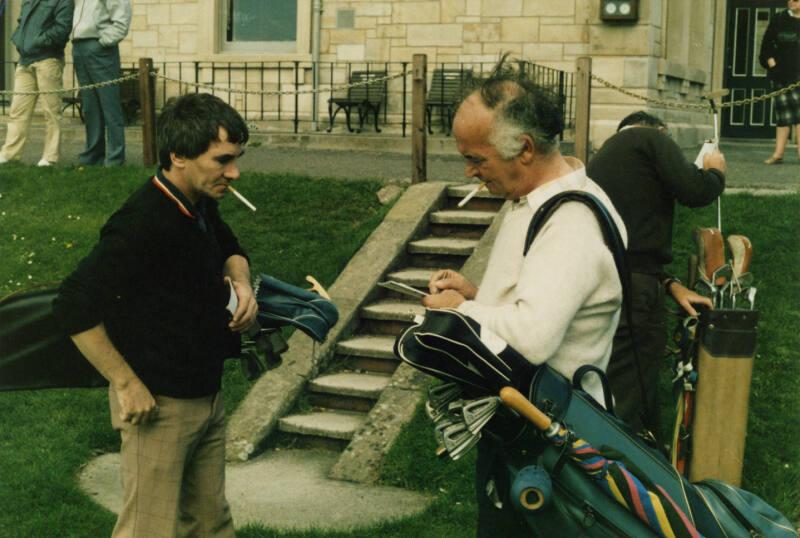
[(386, 157), (285, 490)]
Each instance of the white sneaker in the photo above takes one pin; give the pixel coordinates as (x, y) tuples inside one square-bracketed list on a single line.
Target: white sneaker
[(3, 160), (44, 162)]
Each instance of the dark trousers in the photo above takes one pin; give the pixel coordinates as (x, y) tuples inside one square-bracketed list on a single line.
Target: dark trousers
[(102, 109), (649, 330), (496, 522)]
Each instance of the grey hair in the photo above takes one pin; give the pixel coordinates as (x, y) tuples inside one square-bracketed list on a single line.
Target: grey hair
[(521, 107)]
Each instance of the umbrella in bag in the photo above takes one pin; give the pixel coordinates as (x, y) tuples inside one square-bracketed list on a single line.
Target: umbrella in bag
[(652, 506)]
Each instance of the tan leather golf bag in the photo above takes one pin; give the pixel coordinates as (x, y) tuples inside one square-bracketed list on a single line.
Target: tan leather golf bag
[(725, 366)]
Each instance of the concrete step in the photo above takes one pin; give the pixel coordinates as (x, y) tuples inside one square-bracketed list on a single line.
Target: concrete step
[(393, 310), (443, 246), (380, 347), (351, 384), (417, 277), (483, 201), (463, 217), (330, 424)]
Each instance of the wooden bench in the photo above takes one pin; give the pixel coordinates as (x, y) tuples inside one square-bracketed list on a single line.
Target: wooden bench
[(128, 96), (366, 98), (447, 89)]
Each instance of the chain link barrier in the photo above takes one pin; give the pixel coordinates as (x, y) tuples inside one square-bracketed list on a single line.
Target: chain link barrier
[(694, 106), (103, 84), (211, 87)]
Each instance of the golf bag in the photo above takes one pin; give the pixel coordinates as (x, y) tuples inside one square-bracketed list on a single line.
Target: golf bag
[(555, 496), (36, 354)]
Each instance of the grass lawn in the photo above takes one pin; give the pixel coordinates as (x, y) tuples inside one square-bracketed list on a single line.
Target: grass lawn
[(306, 226)]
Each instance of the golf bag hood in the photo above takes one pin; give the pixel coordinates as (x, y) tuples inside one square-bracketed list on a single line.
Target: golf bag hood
[(34, 352), (454, 347), (280, 303)]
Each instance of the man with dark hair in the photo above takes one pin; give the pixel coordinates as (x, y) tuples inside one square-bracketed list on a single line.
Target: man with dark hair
[(644, 173), (559, 304), (147, 307)]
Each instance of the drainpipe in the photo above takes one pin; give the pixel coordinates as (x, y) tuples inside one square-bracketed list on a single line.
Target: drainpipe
[(316, 31)]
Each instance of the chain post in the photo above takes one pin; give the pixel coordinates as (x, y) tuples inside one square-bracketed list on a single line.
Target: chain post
[(583, 101), (419, 139), (147, 96)]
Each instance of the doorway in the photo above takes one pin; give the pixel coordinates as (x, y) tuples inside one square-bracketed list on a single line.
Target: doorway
[(747, 21)]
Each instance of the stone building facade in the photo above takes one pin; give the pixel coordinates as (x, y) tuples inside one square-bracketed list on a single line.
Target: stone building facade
[(673, 51)]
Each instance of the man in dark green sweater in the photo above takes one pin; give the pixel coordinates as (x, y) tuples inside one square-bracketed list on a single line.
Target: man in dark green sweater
[(644, 173)]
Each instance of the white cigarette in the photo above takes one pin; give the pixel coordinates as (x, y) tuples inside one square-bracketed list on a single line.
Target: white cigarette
[(472, 193), (241, 198)]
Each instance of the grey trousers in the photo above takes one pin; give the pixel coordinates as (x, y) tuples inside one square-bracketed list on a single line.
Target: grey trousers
[(102, 109)]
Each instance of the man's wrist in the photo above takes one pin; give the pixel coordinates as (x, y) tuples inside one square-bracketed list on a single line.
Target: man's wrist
[(668, 282)]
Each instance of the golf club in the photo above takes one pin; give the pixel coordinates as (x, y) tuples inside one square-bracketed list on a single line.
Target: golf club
[(477, 413)]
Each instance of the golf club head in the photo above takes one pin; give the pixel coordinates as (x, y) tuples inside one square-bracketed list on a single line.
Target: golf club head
[(439, 397), (710, 251), (751, 297), (741, 253), (477, 413), (458, 440)]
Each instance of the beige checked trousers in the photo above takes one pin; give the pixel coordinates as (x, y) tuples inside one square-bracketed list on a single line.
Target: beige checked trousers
[(173, 471), (42, 75)]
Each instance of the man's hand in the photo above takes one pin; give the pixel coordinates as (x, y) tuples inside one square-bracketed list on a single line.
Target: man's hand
[(771, 62), (447, 279), (246, 310), (444, 299), (716, 160), (136, 404), (687, 298)]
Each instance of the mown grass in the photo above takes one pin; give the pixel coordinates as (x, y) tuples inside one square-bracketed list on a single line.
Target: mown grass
[(46, 436), (49, 220)]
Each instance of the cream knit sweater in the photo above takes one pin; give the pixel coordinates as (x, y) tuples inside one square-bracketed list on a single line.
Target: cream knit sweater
[(561, 303)]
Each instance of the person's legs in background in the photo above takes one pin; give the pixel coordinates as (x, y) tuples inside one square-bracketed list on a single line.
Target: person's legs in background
[(49, 75), (781, 138), (82, 57), (106, 66), (19, 120)]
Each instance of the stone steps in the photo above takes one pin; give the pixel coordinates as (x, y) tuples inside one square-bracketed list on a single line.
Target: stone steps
[(343, 399), (332, 424)]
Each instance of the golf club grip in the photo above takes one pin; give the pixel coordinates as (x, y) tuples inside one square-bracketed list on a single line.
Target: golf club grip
[(519, 403), (692, 274)]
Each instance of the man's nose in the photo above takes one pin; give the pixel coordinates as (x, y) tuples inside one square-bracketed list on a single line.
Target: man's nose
[(231, 171), (471, 170)]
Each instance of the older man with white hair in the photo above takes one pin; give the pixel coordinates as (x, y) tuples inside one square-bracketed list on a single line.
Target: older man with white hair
[(560, 303)]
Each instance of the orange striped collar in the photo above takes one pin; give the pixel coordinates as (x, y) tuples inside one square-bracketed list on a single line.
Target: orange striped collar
[(169, 194)]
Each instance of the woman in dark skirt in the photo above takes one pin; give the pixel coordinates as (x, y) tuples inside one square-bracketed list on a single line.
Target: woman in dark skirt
[(780, 55)]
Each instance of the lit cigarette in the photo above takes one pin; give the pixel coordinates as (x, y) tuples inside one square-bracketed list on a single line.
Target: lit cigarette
[(241, 198), (472, 193)]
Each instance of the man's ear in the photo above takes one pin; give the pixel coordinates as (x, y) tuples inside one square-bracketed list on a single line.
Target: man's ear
[(528, 151), (177, 161)]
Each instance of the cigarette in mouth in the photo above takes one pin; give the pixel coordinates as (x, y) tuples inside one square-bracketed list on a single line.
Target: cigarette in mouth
[(472, 193), (241, 198)]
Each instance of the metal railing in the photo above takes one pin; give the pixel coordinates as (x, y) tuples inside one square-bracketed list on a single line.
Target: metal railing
[(278, 93)]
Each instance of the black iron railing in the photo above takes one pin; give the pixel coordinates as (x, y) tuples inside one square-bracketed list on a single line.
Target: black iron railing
[(279, 93)]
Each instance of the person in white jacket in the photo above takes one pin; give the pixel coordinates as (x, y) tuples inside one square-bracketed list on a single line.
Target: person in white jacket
[(98, 27), (558, 305)]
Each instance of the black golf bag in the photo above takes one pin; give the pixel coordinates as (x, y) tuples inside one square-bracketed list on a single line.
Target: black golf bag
[(36, 354), (555, 496)]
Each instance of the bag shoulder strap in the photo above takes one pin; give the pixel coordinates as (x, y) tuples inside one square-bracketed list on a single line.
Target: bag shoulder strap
[(615, 244)]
